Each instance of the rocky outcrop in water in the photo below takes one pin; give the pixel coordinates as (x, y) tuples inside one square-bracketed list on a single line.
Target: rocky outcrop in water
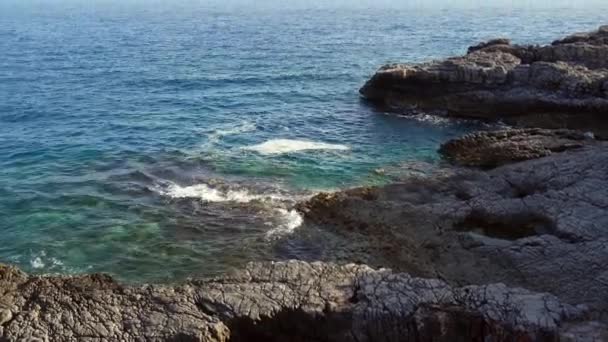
[(294, 301), (562, 85), (489, 149)]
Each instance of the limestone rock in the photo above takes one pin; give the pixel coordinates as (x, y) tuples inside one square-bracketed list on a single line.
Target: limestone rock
[(95, 308), (537, 224), (492, 42), (295, 300), (562, 85), (489, 149)]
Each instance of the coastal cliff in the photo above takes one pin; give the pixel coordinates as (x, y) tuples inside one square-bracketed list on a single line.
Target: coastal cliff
[(562, 85)]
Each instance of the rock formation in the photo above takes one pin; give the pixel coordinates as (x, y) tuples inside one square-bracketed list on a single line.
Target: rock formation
[(562, 85), (538, 224), (488, 149), (294, 301)]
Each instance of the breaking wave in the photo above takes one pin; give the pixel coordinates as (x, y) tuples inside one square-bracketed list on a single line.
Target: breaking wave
[(206, 193), (280, 146), (290, 220), (278, 206), (225, 131)]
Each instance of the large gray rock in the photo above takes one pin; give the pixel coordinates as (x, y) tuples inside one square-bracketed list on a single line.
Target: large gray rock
[(538, 224), (95, 308), (283, 301), (563, 85)]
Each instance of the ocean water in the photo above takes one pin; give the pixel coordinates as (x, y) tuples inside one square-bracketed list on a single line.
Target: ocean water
[(158, 141)]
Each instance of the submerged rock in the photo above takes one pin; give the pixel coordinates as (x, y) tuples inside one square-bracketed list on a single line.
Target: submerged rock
[(563, 85)]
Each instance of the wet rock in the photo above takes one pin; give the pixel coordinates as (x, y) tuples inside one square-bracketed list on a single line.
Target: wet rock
[(493, 42), (489, 149), (562, 85)]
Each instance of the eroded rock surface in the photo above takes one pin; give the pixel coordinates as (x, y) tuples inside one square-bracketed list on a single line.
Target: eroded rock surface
[(95, 308), (538, 224), (281, 301), (489, 149), (562, 85)]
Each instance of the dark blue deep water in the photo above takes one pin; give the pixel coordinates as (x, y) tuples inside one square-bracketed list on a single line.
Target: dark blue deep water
[(157, 141)]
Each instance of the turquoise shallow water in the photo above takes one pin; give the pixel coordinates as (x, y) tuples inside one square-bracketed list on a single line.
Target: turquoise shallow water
[(157, 142)]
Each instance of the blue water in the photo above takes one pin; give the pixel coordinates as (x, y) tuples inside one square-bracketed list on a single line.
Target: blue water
[(128, 132)]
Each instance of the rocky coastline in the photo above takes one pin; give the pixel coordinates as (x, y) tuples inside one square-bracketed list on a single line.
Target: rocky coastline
[(284, 301), (562, 85), (508, 243)]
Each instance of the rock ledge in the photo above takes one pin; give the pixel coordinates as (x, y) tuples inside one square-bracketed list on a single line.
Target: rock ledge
[(562, 85), (281, 301)]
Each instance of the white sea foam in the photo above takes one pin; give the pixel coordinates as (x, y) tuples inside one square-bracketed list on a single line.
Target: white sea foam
[(41, 261), (207, 193), (280, 146), (283, 221), (243, 127), (289, 221), (433, 119), (37, 263)]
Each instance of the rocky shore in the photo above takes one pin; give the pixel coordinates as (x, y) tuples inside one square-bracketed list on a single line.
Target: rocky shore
[(538, 224), (516, 253), (562, 85), (508, 243), (287, 301)]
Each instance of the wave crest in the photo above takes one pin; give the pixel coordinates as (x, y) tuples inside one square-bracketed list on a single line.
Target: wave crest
[(289, 221), (284, 220), (243, 127), (281, 146), (207, 193)]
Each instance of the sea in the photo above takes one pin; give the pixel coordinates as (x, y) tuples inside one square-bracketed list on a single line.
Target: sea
[(163, 140)]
